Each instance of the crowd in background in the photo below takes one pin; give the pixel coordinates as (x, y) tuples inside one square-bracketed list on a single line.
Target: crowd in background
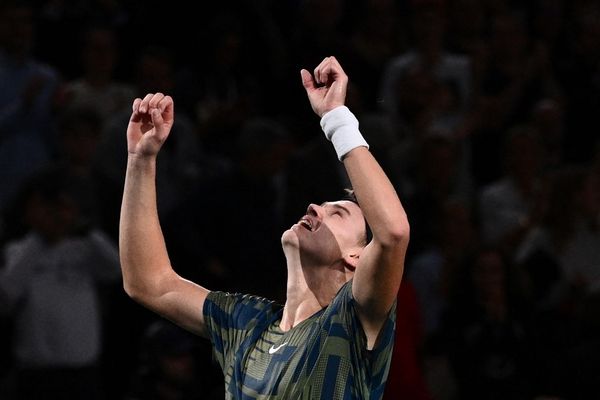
[(484, 114)]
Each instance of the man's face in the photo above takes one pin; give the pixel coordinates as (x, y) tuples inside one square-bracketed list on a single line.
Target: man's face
[(328, 232)]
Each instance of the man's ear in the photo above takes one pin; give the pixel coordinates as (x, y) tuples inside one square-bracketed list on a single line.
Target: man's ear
[(351, 260)]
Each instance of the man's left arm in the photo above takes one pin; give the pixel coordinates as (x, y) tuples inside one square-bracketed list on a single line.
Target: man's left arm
[(379, 271)]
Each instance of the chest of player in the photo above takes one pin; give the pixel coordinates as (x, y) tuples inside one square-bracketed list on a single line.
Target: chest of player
[(298, 358)]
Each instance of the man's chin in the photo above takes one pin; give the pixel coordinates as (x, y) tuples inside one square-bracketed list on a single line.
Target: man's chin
[(290, 238)]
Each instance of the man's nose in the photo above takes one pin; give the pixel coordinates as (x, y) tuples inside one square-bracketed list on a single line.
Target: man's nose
[(314, 210)]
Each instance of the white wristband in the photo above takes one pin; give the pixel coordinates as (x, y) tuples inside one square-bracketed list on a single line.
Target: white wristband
[(341, 128)]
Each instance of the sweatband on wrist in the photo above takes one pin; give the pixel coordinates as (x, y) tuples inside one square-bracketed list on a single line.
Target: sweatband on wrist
[(341, 129)]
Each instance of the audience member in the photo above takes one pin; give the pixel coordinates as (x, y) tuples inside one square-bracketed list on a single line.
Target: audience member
[(407, 377), (169, 366), (517, 74), (28, 91), (98, 87), (50, 285), (558, 260), (509, 206), (441, 80), (440, 88), (488, 343)]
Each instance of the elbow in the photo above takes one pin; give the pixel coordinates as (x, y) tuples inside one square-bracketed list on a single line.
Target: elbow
[(396, 234), (132, 291), (132, 284), (400, 233), (146, 287), (127, 281), (140, 295)]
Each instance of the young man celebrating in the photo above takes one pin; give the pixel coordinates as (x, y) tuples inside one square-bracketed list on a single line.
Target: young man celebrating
[(333, 337)]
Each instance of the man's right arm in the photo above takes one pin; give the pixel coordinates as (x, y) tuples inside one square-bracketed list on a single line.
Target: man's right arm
[(148, 277)]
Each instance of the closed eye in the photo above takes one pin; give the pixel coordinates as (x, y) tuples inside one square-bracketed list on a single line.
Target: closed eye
[(336, 209)]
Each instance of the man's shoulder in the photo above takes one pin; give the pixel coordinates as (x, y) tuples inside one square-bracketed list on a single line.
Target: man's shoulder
[(341, 302), (243, 308), (218, 296)]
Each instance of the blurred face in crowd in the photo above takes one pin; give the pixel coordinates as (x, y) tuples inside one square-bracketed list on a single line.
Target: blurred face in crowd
[(51, 218)]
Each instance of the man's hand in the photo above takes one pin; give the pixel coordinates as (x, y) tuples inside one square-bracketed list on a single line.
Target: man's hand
[(150, 124), (327, 90)]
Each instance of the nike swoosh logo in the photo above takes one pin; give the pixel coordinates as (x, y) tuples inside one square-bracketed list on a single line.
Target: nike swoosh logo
[(273, 349)]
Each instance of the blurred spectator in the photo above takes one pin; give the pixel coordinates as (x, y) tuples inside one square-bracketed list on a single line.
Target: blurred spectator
[(442, 86), (59, 22), (427, 91), (406, 377), (489, 346), (227, 83), (517, 74), (560, 260), (79, 133), (569, 233), (375, 39), (98, 88), (50, 285), (427, 88), (434, 270), (433, 176), (509, 206), (170, 367), (27, 94)]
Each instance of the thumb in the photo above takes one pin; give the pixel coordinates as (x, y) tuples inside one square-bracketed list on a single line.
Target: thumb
[(157, 118), (307, 80), (158, 122)]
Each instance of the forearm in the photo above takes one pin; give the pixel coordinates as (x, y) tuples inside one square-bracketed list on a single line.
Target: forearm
[(144, 260), (381, 264), (374, 191)]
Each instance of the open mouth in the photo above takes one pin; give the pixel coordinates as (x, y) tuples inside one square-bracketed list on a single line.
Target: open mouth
[(306, 223)]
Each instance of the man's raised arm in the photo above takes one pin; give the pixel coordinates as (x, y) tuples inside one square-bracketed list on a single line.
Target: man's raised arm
[(379, 272), (148, 276)]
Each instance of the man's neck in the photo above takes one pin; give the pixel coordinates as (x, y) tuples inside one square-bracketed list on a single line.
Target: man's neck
[(309, 289)]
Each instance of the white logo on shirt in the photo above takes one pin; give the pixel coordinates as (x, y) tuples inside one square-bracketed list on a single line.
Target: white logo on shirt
[(273, 349)]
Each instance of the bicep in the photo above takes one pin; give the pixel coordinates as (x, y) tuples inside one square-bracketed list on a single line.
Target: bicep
[(376, 282), (181, 302)]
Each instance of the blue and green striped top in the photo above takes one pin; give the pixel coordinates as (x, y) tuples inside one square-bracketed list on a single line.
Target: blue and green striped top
[(323, 357)]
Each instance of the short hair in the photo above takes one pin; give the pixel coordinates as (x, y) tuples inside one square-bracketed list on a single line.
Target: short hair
[(349, 195)]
